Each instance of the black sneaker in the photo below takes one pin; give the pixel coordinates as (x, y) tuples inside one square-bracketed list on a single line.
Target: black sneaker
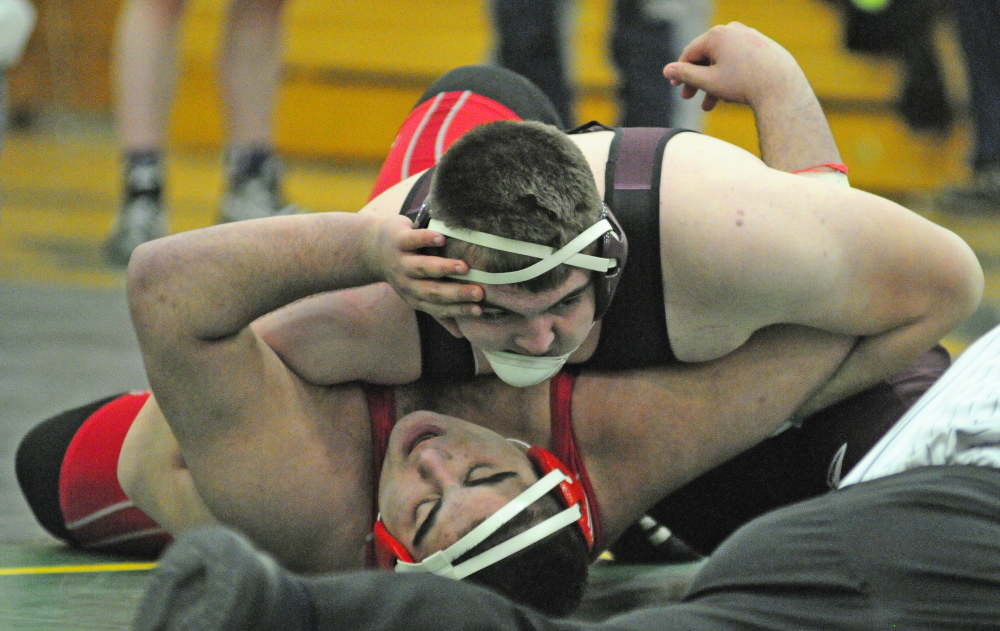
[(648, 541)]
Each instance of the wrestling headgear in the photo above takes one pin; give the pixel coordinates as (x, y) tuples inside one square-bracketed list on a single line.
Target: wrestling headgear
[(391, 553), (609, 262)]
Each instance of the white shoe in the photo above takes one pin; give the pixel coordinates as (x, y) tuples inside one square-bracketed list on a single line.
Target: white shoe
[(257, 196), (140, 215)]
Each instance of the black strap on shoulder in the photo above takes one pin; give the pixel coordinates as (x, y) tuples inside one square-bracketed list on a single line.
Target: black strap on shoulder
[(417, 195), (586, 128), (634, 329), (442, 355)]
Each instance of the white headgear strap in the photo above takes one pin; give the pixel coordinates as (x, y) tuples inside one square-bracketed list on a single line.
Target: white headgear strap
[(440, 562), (568, 254)]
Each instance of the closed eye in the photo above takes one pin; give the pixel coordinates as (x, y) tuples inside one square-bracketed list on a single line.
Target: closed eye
[(567, 303), (490, 480)]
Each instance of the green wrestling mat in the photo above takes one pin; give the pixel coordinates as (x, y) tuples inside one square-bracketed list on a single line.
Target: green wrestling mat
[(49, 587)]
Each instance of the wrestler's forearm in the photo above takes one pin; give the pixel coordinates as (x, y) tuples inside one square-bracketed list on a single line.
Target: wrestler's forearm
[(873, 360), (736, 63), (208, 284), (793, 132)]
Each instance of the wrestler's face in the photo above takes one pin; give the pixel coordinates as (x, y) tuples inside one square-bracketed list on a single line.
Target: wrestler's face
[(548, 324), (442, 476)]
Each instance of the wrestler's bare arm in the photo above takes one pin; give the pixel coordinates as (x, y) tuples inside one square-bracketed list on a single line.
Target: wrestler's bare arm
[(736, 63), (794, 251), (369, 333), (745, 246), (271, 454), (673, 424)]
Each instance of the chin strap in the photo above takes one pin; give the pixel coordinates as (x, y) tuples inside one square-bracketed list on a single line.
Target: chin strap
[(440, 563)]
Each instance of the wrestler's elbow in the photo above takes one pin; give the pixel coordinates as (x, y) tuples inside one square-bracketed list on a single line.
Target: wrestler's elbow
[(958, 285), (151, 288)]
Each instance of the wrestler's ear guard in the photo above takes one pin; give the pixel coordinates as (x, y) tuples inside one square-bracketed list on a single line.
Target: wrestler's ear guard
[(613, 245), (421, 220), (570, 492), (423, 217), (389, 550)]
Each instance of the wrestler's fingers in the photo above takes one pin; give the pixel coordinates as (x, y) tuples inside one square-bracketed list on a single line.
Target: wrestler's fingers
[(697, 51), (688, 91), (693, 76), (441, 292), (421, 238), (455, 310), (427, 266)]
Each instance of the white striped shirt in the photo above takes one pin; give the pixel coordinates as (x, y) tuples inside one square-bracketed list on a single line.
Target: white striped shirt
[(956, 422)]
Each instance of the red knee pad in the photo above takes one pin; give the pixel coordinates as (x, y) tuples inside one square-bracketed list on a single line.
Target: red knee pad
[(431, 128), (98, 514)]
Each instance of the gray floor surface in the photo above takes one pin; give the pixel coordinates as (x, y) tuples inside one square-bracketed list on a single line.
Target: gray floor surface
[(60, 347)]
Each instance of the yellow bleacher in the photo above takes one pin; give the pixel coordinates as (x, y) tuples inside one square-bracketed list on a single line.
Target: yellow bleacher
[(353, 70)]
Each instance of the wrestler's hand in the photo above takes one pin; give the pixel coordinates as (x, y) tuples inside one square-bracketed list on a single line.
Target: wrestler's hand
[(394, 247), (737, 64)]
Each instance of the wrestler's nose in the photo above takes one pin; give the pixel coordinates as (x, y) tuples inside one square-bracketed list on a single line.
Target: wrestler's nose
[(435, 464), (536, 337)]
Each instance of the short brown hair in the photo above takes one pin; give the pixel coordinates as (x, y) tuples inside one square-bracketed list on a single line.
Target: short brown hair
[(522, 180)]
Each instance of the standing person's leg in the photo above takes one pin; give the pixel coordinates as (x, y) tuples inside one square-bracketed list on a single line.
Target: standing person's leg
[(530, 41), (249, 75), (17, 20), (978, 24), (145, 76), (694, 18), (3, 104), (641, 44)]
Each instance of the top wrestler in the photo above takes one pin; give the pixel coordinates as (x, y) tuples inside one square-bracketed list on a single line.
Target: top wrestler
[(721, 246)]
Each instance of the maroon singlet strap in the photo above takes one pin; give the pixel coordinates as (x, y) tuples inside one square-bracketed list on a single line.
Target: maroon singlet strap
[(564, 445)]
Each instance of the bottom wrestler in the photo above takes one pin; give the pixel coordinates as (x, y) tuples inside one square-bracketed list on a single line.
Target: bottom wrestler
[(310, 497), (910, 540)]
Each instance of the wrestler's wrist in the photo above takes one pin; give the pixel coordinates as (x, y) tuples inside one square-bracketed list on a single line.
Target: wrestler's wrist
[(375, 264)]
